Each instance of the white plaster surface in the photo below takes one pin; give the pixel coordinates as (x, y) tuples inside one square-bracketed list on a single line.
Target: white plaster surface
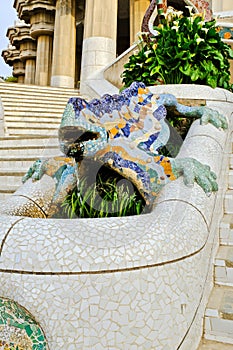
[(131, 283)]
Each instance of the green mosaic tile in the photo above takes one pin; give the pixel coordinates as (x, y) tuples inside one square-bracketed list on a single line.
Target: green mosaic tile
[(18, 328)]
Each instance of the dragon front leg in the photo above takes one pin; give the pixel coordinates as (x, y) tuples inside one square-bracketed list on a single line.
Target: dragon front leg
[(206, 114)]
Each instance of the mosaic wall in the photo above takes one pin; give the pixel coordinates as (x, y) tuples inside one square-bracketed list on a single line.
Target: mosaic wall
[(18, 329)]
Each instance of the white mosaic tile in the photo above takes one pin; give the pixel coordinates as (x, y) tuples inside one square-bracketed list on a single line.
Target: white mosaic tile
[(198, 91), (113, 310), (152, 239)]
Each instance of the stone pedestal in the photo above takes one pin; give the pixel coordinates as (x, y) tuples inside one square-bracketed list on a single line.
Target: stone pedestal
[(137, 11), (99, 44), (64, 47)]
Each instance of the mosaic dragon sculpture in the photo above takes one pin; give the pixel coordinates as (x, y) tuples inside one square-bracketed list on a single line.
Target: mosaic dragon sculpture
[(159, 8), (124, 132)]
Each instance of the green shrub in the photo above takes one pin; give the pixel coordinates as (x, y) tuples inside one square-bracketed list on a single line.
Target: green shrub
[(11, 79), (111, 195), (187, 50)]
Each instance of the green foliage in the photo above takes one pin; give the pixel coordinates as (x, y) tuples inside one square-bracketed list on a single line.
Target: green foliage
[(105, 198), (11, 79), (187, 50)]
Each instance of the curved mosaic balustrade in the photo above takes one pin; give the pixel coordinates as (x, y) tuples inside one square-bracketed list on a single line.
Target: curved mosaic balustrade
[(134, 282)]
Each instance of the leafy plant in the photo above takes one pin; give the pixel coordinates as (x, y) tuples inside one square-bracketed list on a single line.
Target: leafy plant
[(105, 198), (11, 79), (187, 50)]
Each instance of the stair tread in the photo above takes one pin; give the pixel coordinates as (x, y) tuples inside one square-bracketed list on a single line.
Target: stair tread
[(227, 220), (25, 87), (225, 253), (22, 158), (220, 303), (10, 172), (214, 345)]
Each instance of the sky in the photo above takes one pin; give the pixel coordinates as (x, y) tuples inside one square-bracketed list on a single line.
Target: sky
[(7, 17)]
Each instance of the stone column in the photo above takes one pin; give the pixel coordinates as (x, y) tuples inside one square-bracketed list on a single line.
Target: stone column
[(20, 38), (19, 71), (137, 11), (216, 5), (222, 5), (40, 15), (64, 47), (30, 69), (100, 32), (28, 55), (42, 25), (43, 60)]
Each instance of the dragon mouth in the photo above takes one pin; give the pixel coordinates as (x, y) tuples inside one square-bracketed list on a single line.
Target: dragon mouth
[(72, 140)]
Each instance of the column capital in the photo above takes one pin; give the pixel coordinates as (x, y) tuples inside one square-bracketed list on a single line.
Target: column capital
[(39, 14), (26, 8), (11, 55), (42, 23), (28, 50), (19, 34)]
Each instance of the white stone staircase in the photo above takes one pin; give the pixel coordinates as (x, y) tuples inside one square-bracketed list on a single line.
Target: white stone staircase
[(32, 116), (33, 110), (218, 320)]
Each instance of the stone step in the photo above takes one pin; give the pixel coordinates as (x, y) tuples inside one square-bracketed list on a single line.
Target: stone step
[(30, 111), (218, 322), (33, 143), (9, 178), (30, 89), (32, 116), (33, 125), (224, 266), (226, 230), (36, 151), (10, 188), (231, 161), (15, 163), (213, 345), (32, 131), (230, 181), (32, 122), (42, 101), (24, 100), (228, 202)]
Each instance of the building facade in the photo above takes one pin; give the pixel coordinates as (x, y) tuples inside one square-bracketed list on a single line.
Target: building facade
[(60, 42)]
